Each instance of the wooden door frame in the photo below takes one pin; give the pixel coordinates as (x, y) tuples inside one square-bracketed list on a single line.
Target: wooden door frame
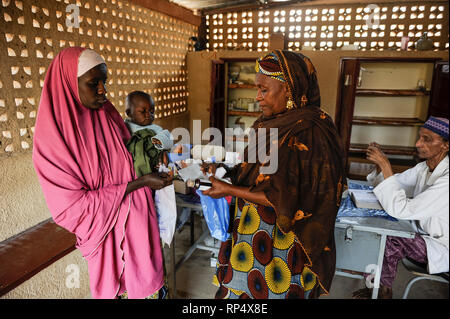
[(212, 97), (343, 115), (434, 87)]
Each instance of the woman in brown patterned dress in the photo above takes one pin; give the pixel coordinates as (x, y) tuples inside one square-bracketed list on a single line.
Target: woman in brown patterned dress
[(282, 238)]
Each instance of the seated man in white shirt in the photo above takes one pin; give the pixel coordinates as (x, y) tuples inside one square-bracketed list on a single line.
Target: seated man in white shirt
[(419, 194)]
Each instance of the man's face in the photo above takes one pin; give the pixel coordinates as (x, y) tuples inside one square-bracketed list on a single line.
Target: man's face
[(91, 87), (142, 111), (430, 144)]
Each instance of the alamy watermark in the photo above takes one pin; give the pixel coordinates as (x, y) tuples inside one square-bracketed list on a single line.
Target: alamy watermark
[(373, 19), (73, 277), (370, 279), (262, 145), (73, 19)]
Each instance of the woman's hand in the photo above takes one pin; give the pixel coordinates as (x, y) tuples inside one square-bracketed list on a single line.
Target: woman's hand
[(157, 180), (154, 181), (218, 189), (376, 156)]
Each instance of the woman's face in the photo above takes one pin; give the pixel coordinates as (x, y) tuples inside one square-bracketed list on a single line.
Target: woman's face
[(91, 87), (272, 95)]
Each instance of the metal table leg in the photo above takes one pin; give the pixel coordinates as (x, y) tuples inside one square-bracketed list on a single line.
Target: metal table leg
[(192, 226), (376, 281)]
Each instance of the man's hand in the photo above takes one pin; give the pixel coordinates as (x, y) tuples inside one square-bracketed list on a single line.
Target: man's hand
[(376, 156)]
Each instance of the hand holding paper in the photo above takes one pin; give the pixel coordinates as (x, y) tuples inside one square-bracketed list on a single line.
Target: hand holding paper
[(218, 188)]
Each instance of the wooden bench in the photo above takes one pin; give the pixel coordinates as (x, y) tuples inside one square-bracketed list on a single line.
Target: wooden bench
[(25, 254)]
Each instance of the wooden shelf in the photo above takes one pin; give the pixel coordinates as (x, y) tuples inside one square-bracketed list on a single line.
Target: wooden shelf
[(241, 86), (361, 158), (363, 120), (244, 113), (388, 149), (388, 81), (360, 167), (388, 92)]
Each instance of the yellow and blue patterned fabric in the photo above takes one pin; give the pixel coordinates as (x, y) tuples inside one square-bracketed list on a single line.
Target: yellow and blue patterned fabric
[(270, 66), (259, 261)]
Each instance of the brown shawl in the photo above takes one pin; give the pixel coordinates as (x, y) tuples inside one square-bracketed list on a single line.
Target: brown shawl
[(306, 189)]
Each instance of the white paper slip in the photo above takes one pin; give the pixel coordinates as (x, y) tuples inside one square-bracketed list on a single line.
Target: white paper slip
[(364, 198), (191, 172)]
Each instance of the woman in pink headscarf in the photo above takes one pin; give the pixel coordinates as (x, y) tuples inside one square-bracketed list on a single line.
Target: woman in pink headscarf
[(88, 179)]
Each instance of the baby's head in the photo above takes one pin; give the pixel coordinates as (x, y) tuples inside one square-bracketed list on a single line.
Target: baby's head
[(140, 108)]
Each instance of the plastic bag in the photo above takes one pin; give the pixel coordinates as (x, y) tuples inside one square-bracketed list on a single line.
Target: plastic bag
[(166, 208), (217, 215)]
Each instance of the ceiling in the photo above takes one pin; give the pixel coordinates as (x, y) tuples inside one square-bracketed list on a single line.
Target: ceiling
[(221, 4)]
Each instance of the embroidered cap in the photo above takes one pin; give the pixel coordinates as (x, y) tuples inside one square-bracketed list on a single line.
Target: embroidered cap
[(438, 125)]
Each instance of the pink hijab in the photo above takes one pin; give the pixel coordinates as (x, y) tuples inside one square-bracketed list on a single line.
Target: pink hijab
[(83, 167)]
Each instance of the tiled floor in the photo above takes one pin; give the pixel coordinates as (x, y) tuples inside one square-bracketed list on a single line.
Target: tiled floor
[(193, 278)]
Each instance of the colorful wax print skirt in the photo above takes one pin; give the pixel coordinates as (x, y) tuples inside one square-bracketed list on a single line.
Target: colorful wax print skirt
[(259, 261)]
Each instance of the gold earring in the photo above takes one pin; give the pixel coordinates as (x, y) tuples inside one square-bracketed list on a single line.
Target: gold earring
[(290, 104)]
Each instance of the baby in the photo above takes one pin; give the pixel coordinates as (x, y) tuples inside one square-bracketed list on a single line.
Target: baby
[(149, 142)]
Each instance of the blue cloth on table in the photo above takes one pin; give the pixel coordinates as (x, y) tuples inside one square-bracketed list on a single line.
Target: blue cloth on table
[(348, 208)]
